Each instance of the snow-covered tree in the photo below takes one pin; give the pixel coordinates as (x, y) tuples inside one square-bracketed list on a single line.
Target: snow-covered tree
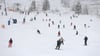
[(65, 3), (85, 10), (46, 5), (17, 6), (32, 7), (77, 8)]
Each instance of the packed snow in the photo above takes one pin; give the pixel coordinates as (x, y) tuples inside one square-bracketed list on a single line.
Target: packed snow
[(27, 42)]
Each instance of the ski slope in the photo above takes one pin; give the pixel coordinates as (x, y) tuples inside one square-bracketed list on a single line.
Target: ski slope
[(27, 42)]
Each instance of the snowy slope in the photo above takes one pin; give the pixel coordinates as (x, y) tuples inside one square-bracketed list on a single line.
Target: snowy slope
[(27, 42)]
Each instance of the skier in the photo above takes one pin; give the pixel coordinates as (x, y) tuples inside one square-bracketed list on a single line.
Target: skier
[(85, 40), (46, 14), (34, 18), (63, 26), (14, 21), (58, 26), (24, 20), (60, 21), (49, 19), (71, 23), (74, 27), (70, 17), (8, 22), (59, 42), (59, 33), (10, 42), (48, 24), (76, 32), (85, 25), (53, 22)]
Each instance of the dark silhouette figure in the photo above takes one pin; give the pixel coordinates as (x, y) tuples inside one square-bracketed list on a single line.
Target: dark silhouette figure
[(53, 22), (76, 32), (59, 33), (85, 25), (46, 14), (8, 22), (24, 20), (74, 27), (59, 42), (58, 26), (85, 40), (34, 18), (48, 24), (71, 23), (10, 42), (38, 31), (14, 21), (60, 21), (63, 26), (49, 19)]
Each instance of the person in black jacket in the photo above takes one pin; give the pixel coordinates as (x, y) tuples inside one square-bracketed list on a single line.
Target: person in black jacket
[(8, 22), (59, 42), (85, 40), (10, 42)]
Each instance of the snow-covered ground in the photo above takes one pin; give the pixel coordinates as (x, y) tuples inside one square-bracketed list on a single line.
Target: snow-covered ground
[(27, 42)]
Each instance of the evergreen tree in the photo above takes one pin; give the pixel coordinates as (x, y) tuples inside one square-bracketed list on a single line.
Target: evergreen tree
[(77, 8), (46, 5), (85, 10), (32, 7)]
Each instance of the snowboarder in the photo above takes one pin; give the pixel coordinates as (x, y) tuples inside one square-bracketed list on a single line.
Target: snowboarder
[(10, 42), (85, 40), (59, 42), (38, 31), (8, 22)]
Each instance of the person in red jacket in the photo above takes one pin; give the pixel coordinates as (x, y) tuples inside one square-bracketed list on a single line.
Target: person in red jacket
[(10, 42)]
